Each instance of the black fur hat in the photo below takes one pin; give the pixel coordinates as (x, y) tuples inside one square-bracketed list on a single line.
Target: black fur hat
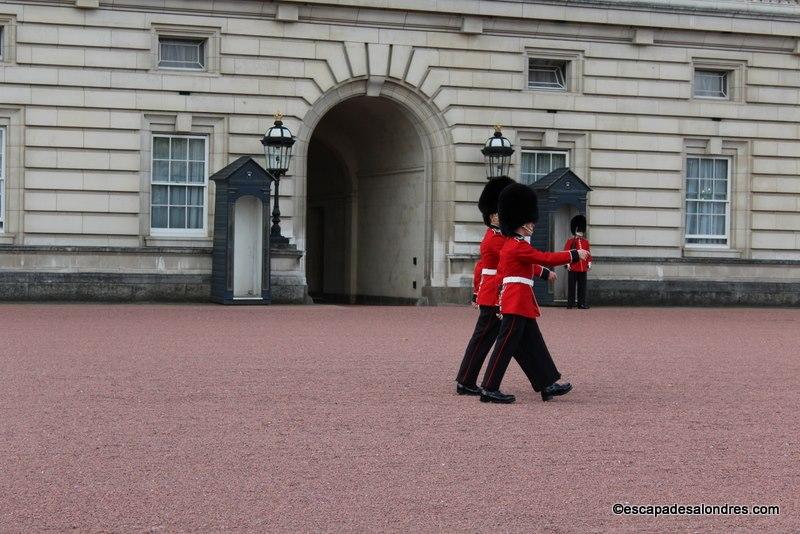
[(516, 206), (578, 224), (487, 202)]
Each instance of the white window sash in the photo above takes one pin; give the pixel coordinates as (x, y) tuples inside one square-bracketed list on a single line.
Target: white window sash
[(199, 45), (702, 79), (726, 202), (559, 69), (204, 184), (538, 153)]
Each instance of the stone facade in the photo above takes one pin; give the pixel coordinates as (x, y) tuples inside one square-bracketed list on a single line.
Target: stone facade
[(391, 102)]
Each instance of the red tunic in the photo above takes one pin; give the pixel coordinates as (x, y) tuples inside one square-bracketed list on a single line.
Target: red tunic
[(489, 287), (576, 242), (517, 259), (476, 279)]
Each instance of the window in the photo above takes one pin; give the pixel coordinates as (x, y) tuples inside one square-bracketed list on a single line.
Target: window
[(711, 83), (187, 54), (2, 177), (179, 184), (547, 74), (1, 43), (537, 164), (707, 201)]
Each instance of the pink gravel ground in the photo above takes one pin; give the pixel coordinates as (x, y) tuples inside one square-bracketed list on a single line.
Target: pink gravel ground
[(344, 419)]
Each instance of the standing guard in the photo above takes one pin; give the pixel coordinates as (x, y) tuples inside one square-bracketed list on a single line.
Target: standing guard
[(578, 271)]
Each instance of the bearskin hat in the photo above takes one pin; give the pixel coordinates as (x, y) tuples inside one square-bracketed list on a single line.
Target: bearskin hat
[(516, 206), (578, 224), (487, 202)]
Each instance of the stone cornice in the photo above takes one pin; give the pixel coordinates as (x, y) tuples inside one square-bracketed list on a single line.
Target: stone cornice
[(759, 9)]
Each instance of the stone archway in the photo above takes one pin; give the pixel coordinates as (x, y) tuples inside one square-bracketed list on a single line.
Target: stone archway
[(373, 196)]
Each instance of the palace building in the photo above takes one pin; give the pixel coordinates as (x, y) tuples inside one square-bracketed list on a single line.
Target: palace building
[(681, 117)]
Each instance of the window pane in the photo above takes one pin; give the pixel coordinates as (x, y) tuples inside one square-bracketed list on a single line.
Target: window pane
[(711, 83), (691, 224), (159, 194), (201, 54), (693, 168), (544, 77), (721, 169), (195, 217), (528, 167), (177, 217), (195, 197), (547, 74), (718, 208), (161, 148), (178, 171), (179, 148), (705, 208), (706, 189), (559, 161), (177, 196), (707, 168), (542, 164), (179, 53), (692, 188), (718, 225), (703, 224), (720, 190), (197, 172), (161, 171), (158, 217), (197, 149)]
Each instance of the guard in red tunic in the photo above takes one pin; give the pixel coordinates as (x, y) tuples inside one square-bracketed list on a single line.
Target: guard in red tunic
[(577, 271), (519, 335), (486, 290)]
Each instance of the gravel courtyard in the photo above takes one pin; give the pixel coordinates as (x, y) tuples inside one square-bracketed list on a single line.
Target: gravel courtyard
[(345, 419)]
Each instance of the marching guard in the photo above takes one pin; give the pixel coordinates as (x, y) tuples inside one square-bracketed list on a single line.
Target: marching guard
[(486, 290), (519, 336)]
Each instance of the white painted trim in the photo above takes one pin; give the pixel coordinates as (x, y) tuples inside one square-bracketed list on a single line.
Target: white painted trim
[(727, 201), (164, 232)]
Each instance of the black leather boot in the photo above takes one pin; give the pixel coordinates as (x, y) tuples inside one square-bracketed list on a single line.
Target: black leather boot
[(496, 396), (554, 390), (463, 389)]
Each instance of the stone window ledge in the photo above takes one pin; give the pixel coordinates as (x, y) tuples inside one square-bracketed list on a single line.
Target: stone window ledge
[(182, 241), (700, 252), (6, 239)]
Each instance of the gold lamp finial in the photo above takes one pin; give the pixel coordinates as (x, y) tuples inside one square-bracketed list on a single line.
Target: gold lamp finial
[(278, 115), (497, 128)]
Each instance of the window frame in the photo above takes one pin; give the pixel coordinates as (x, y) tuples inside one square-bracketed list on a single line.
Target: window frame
[(537, 151), (210, 35), (726, 76), (686, 236), (573, 68), (182, 232), (561, 66), (203, 45), (736, 70)]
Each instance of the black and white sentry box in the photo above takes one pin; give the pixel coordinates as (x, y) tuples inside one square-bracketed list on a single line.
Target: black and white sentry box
[(240, 272), (562, 195)]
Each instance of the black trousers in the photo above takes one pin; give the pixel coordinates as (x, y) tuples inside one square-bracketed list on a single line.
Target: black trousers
[(576, 279), (483, 337), (521, 339)]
